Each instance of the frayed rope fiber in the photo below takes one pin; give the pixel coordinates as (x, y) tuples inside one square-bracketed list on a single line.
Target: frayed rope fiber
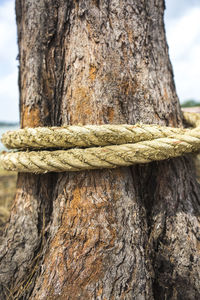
[(104, 146)]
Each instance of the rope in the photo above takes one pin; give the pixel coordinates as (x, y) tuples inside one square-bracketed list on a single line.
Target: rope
[(91, 135), (132, 144)]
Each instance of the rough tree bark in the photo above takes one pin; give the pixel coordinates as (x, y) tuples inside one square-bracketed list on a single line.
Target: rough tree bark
[(128, 233)]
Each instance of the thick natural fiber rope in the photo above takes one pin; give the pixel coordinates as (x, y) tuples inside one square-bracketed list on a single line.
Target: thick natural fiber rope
[(137, 144), (92, 135), (84, 136)]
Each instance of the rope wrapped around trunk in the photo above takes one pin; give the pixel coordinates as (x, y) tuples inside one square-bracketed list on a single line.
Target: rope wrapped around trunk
[(103, 146)]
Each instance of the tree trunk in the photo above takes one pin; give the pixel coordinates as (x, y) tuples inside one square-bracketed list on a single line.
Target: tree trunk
[(126, 233)]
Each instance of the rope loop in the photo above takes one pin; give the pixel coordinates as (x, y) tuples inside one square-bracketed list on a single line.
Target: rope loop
[(97, 147)]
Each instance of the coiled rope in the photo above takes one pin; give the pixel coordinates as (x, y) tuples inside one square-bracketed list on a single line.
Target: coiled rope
[(108, 146)]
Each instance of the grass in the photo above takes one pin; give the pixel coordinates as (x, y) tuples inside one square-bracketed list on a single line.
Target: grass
[(7, 193), (197, 165)]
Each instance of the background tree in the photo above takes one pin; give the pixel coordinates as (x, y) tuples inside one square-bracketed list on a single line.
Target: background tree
[(127, 233), (190, 103)]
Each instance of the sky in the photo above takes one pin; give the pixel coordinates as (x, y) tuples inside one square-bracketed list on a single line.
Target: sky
[(182, 22)]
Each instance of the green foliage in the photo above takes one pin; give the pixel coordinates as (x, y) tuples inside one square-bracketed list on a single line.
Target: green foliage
[(8, 124), (190, 103)]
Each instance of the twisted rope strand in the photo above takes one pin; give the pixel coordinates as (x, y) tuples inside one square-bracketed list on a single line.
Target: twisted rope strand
[(98, 157), (92, 135), (138, 144)]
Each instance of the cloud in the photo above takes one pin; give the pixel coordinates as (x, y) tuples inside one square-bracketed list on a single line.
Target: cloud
[(9, 97), (183, 35), (8, 71), (178, 8)]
